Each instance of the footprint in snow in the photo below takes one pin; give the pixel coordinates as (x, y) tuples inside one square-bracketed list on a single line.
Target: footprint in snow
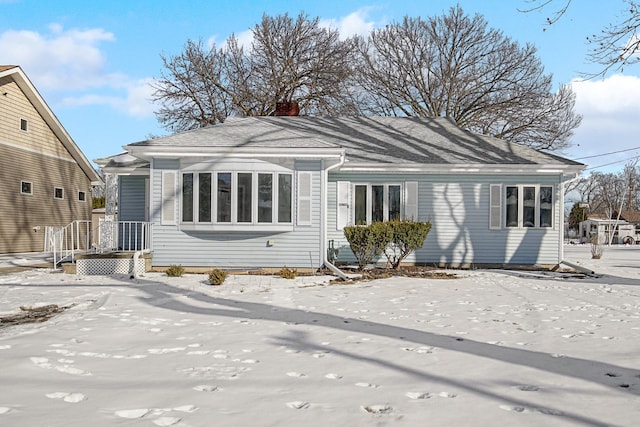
[(296, 374), (206, 388), (447, 394), (366, 385), (298, 404), (512, 408), (526, 387), (167, 421), (132, 414), (186, 408), (416, 395), (377, 409), (333, 376)]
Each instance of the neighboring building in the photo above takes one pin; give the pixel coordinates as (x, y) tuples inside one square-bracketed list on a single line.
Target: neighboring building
[(604, 230), (46, 180), (278, 191), (633, 218)]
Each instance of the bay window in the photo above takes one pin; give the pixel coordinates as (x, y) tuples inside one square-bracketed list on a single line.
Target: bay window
[(237, 198)]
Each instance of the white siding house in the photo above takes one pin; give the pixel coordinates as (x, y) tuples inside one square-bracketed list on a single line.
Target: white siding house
[(277, 191)]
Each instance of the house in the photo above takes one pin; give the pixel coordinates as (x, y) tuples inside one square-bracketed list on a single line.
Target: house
[(619, 230), (633, 218), (606, 230), (46, 180), (278, 191)]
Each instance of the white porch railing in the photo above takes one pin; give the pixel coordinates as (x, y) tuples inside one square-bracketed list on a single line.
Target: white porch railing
[(86, 237)]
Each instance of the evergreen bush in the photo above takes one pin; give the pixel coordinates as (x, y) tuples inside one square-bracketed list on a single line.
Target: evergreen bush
[(217, 277), (175, 271), (407, 236), (288, 273), (368, 242)]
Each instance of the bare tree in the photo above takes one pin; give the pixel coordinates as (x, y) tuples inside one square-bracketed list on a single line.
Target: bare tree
[(457, 67), (616, 46), (289, 60), (193, 92)]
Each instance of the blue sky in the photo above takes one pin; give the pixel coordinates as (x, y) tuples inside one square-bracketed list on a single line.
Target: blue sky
[(93, 61)]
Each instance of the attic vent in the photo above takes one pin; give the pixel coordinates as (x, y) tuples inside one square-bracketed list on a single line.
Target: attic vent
[(24, 124), (287, 109)]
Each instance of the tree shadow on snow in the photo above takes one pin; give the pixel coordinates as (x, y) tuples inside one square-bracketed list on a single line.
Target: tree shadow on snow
[(619, 378)]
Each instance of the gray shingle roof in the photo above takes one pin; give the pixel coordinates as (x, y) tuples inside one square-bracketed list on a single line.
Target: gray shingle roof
[(382, 140)]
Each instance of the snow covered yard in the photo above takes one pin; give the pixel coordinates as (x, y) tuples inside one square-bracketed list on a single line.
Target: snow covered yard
[(490, 348)]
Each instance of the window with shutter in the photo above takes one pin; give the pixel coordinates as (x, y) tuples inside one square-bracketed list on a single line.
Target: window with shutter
[(304, 198), (168, 209), (411, 200), (343, 209), (495, 208)]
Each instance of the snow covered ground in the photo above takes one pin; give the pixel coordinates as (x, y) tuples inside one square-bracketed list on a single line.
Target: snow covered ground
[(491, 348)]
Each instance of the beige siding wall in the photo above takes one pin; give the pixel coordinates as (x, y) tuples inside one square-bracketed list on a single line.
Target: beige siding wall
[(19, 213), (39, 137)]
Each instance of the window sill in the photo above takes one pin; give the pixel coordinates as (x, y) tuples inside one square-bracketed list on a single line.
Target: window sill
[(237, 227)]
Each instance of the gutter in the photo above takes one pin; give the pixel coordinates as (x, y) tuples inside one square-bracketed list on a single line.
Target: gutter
[(325, 179)]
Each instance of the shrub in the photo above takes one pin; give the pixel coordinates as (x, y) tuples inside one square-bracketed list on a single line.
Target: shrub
[(217, 277), (175, 270), (407, 236), (288, 273), (368, 242)]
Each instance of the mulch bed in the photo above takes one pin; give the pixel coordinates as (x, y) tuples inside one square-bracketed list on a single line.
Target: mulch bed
[(384, 273), (31, 315)]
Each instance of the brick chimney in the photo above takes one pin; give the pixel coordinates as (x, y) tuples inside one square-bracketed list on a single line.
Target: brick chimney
[(287, 109)]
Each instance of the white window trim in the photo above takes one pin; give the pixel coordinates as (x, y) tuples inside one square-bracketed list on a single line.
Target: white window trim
[(30, 193), (520, 225), (55, 189), (385, 201), (234, 224)]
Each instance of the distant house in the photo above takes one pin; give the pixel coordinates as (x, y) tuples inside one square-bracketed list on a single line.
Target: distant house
[(633, 218), (615, 230), (46, 180), (278, 191)]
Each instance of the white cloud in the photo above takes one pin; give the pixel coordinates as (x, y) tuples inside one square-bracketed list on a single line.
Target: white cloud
[(611, 120), (134, 99), (59, 60), (353, 24), (71, 60)]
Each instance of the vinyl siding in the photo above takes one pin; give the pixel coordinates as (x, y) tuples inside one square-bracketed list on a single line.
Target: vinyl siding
[(20, 213), (39, 138), (458, 208), (299, 248)]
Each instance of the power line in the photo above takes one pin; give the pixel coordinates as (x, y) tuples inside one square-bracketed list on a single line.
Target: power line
[(612, 163), (607, 154)]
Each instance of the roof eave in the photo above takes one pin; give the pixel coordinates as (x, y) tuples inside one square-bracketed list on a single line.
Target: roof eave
[(151, 152), (52, 121), (480, 168)]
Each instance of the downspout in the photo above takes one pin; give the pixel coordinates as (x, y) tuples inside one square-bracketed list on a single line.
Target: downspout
[(325, 180)]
